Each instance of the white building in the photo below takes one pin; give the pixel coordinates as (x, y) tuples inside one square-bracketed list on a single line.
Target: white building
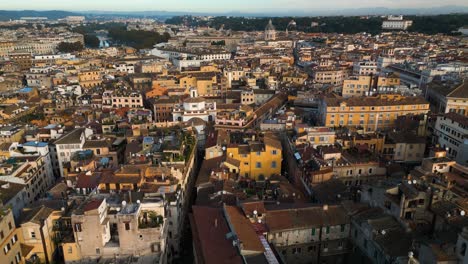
[(451, 130), (194, 107), (70, 143), (365, 68), (396, 22)]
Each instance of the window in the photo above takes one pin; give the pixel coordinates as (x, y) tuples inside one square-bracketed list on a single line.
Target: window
[(313, 231), (77, 227), (296, 250), (274, 152), (14, 239), (342, 228), (7, 248), (33, 234), (325, 246), (311, 248), (258, 165), (280, 234), (1, 235), (273, 164), (328, 230), (70, 250), (127, 226), (9, 225)]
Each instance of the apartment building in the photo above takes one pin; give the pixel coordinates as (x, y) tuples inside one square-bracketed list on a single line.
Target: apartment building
[(450, 132), (90, 78), (328, 75), (9, 238), (9, 133), (122, 98), (163, 108), (314, 136), (37, 231), (448, 96), (357, 86), (205, 83), (309, 235), (379, 237), (133, 229), (365, 68), (371, 113), (67, 145), (32, 171), (257, 160)]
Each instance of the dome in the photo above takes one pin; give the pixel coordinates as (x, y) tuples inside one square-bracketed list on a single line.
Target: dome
[(270, 26)]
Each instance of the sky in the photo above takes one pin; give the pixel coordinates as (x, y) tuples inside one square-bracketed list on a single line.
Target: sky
[(216, 5)]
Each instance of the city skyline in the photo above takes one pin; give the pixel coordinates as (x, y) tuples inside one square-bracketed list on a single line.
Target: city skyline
[(215, 6)]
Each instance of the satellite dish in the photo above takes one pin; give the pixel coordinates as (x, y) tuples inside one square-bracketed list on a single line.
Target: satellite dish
[(463, 213), (138, 201), (255, 212), (414, 181), (124, 203)]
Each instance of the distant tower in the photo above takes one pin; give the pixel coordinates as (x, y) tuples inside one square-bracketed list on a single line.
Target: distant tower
[(270, 31)]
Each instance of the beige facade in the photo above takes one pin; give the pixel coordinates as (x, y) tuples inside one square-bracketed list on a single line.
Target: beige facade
[(10, 238), (329, 75)]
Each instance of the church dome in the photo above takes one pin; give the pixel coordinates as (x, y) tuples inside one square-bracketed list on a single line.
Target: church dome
[(270, 26)]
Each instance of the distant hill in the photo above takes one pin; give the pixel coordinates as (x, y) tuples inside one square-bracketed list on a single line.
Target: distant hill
[(293, 12), (53, 14)]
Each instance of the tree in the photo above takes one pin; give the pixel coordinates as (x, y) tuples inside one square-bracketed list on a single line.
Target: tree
[(91, 41), (69, 47)]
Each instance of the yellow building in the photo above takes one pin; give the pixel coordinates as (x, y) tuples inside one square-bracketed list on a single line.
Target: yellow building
[(38, 235), (374, 141), (257, 159), (370, 113), (388, 81), (295, 78), (89, 78), (10, 238), (356, 86), (204, 82)]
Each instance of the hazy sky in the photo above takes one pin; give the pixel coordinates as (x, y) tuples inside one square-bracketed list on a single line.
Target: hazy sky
[(215, 5)]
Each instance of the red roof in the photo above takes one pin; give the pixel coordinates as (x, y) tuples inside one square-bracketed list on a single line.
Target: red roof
[(209, 229), (92, 205)]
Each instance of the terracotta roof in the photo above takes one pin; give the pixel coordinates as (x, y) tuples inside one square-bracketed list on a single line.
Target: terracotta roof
[(306, 217), (374, 101), (209, 229), (92, 205), (243, 229), (460, 92), (461, 119), (250, 207)]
